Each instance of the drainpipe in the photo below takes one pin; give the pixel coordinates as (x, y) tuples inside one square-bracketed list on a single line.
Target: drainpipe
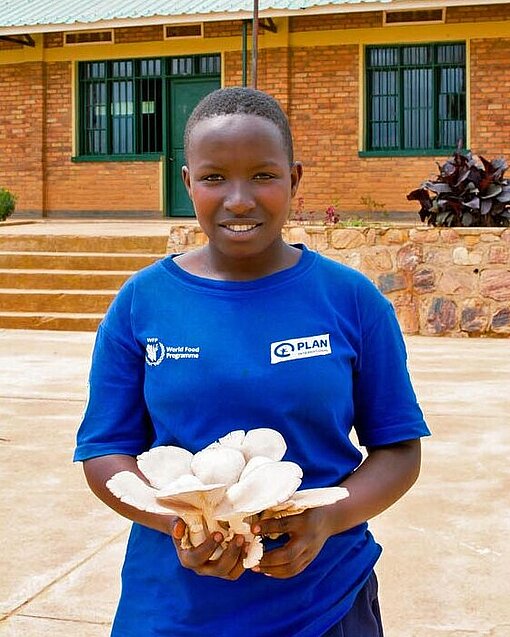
[(254, 48), (245, 52)]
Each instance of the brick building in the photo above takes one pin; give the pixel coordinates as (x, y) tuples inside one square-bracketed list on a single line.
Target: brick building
[(93, 97)]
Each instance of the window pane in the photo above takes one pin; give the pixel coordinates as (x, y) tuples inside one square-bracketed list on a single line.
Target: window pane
[(150, 67), (209, 64), (382, 57), (122, 117), (182, 66), (95, 119), (418, 109), (151, 115), (384, 110), (415, 55)]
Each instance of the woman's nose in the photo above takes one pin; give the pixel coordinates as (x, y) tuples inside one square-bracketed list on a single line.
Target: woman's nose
[(239, 199)]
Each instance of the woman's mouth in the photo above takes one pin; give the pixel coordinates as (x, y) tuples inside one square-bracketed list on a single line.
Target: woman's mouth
[(240, 228)]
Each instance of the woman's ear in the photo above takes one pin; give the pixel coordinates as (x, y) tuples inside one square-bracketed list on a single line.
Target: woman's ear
[(186, 179), (296, 172)]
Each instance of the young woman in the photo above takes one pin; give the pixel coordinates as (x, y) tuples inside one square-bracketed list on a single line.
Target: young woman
[(282, 338)]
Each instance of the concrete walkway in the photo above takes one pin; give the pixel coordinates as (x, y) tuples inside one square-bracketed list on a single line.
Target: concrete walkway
[(446, 565)]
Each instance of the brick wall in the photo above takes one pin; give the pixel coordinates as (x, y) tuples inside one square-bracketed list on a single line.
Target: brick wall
[(21, 132), (330, 21), (478, 13), (490, 74)]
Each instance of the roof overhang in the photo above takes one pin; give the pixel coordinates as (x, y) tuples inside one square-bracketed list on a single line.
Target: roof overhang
[(358, 7)]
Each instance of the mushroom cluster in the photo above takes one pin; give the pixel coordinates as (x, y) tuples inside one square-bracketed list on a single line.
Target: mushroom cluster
[(222, 487)]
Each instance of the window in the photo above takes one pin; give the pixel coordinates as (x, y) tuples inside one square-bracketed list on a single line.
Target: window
[(88, 37), (416, 97), (121, 102), (184, 31)]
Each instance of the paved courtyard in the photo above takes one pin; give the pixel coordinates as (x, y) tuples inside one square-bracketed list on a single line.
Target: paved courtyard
[(445, 570)]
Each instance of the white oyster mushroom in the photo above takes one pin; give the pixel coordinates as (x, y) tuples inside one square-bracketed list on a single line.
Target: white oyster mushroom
[(305, 499), (266, 485), (256, 442), (132, 490), (234, 440), (195, 502), (264, 442), (254, 463), (162, 465), (186, 497), (218, 464)]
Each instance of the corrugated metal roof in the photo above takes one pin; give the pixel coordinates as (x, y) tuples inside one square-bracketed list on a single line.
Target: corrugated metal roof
[(17, 13)]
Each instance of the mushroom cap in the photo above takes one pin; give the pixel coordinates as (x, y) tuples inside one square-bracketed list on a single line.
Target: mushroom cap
[(307, 499), (234, 440), (253, 463), (132, 490), (218, 465), (264, 487), (311, 498), (264, 442), (189, 491), (162, 465)]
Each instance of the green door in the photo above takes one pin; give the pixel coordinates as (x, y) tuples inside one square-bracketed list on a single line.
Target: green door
[(184, 96)]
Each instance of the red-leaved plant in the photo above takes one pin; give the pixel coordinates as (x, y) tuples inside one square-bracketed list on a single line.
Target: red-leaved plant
[(467, 192)]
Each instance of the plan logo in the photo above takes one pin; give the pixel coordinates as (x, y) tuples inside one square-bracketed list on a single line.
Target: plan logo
[(155, 352), (296, 348)]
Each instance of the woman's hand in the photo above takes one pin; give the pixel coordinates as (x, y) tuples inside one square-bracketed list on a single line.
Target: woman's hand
[(308, 531), (228, 566)]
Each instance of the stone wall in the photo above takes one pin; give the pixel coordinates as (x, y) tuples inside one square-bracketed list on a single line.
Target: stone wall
[(442, 281)]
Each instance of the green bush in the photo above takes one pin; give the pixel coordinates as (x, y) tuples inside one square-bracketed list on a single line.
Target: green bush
[(7, 203)]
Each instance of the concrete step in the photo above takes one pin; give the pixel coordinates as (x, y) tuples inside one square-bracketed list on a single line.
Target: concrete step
[(49, 301), (68, 321), (27, 279), (81, 243), (75, 260)]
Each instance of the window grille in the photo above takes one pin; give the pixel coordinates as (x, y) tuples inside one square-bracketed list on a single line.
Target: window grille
[(89, 37), (420, 16), (172, 31), (121, 102), (416, 97)]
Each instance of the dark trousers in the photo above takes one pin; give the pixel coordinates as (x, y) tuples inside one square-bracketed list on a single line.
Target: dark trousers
[(364, 618)]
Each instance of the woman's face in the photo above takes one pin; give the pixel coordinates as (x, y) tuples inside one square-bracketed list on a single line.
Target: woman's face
[(241, 184)]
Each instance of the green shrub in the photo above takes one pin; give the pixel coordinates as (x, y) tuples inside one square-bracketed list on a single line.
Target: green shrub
[(7, 203)]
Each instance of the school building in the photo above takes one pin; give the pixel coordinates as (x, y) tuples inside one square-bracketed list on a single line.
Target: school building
[(94, 95)]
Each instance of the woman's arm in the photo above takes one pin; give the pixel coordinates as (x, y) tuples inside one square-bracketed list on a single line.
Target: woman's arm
[(382, 479), (99, 470)]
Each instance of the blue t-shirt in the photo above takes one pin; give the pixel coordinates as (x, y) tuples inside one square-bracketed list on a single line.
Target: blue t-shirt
[(314, 351)]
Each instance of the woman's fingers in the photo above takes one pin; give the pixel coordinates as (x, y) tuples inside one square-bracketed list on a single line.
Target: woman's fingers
[(229, 565)]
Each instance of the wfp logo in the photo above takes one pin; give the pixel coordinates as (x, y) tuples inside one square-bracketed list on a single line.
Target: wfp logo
[(155, 352), (296, 348)]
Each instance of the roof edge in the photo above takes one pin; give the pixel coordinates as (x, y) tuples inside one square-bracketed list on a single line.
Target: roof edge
[(360, 7)]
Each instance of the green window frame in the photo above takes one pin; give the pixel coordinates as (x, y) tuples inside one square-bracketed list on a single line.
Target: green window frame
[(122, 104), (415, 98)]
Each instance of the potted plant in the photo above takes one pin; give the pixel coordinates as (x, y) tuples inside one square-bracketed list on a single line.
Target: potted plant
[(468, 191), (7, 203)]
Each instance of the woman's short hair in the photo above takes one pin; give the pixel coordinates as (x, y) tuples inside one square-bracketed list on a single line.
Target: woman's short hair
[(239, 100)]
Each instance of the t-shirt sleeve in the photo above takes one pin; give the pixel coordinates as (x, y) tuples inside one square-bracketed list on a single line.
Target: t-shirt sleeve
[(386, 408), (115, 420)]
